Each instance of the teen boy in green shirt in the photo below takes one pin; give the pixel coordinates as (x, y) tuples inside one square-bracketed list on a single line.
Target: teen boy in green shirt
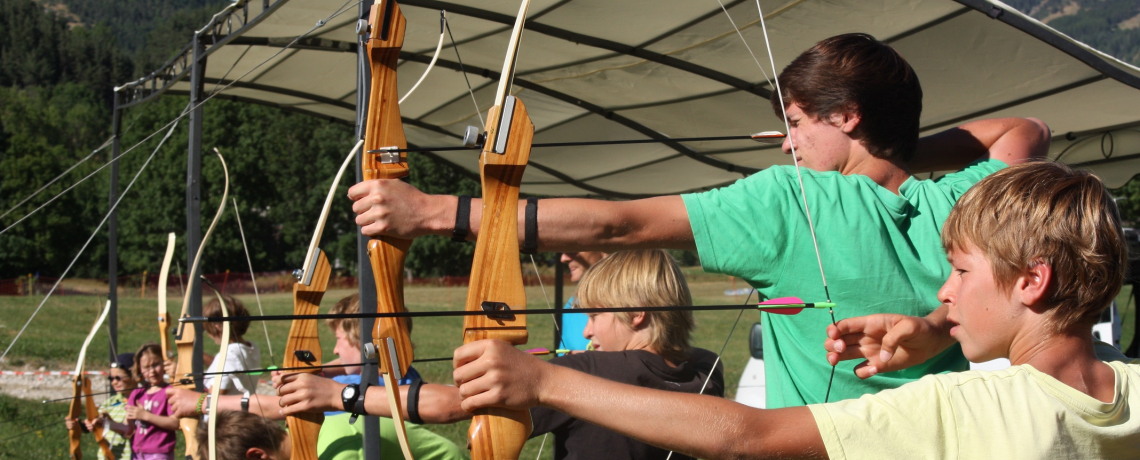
[(1037, 252), (853, 106)]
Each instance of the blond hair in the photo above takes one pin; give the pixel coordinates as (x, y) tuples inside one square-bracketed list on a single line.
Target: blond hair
[(351, 327), (1044, 212), (643, 278)]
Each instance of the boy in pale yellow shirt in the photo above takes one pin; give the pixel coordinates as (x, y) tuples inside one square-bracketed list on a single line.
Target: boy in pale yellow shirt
[(1037, 252)]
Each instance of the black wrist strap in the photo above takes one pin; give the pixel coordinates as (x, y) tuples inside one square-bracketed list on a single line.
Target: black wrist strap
[(358, 405), (414, 402), (530, 227), (462, 219), (245, 402)]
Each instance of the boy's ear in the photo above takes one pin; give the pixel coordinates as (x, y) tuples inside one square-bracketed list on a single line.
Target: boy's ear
[(636, 319), (1033, 285), (847, 120)]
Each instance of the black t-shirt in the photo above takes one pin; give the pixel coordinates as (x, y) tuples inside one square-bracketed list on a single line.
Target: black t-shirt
[(575, 439)]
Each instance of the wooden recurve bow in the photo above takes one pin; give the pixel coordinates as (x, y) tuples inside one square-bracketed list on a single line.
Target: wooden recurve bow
[(81, 402), (384, 129), (185, 336), (184, 346), (496, 274)]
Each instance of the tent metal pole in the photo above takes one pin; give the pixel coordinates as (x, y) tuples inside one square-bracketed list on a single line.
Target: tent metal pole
[(194, 197), (370, 373), (113, 233)]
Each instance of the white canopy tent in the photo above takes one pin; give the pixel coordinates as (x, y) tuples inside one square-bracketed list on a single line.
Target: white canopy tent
[(615, 70)]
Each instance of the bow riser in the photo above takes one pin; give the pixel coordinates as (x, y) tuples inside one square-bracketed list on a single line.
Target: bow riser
[(496, 275), (383, 129), (305, 341), (75, 412)]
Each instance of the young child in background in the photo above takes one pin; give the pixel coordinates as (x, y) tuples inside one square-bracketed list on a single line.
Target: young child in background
[(242, 355), (650, 349), (242, 435), (148, 414), (114, 408)]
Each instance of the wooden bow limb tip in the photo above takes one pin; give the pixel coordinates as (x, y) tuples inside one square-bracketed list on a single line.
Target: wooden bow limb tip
[(79, 411), (384, 130), (496, 273)]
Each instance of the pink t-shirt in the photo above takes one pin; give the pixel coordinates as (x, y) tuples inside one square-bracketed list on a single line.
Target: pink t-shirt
[(149, 438)]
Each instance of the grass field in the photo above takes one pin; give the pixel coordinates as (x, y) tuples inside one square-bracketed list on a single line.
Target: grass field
[(53, 338)]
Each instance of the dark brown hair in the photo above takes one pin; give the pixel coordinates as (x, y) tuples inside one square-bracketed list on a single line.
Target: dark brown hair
[(237, 432), (214, 310), (857, 73)]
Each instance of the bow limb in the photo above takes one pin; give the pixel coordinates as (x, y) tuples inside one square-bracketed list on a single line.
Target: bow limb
[(185, 336), (303, 349), (384, 130), (81, 386), (216, 387), (496, 273), (188, 425)]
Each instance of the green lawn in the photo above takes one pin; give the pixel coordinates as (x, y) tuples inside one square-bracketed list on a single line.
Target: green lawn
[(53, 338)]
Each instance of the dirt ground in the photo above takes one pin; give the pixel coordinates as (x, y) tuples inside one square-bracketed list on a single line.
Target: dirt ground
[(41, 387)]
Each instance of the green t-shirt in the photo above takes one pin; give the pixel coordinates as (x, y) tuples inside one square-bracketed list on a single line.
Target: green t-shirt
[(340, 440), (881, 252)]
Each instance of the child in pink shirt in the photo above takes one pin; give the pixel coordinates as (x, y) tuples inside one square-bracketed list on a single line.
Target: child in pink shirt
[(147, 411)]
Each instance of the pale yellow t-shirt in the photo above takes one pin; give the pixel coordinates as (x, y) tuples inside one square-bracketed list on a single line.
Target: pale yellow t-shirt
[(1016, 413)]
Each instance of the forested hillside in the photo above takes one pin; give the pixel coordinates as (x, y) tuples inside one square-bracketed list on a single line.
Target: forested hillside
[(58, 65)]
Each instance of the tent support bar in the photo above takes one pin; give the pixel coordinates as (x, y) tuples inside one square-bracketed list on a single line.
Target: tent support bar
[(113, 233), (194, 195), (573, 37)]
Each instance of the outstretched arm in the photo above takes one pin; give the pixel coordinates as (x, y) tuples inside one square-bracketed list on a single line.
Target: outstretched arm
[(494, 374), (1010, 140), (438, 404), (395, 208)]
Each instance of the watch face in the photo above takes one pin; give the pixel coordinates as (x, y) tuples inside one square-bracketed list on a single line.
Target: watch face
[(349, 392)]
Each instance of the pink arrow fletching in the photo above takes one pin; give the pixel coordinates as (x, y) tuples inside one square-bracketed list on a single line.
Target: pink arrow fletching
[(783, 301)]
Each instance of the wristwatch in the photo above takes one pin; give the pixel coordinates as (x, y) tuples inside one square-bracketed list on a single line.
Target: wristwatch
[(349, 395), (352, 397)]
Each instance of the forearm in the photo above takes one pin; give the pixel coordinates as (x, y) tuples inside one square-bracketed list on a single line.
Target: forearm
[(572, 224), (121, 428), (1011, 140), (263, 405), (699, 425), (438, 404), (161, 421)]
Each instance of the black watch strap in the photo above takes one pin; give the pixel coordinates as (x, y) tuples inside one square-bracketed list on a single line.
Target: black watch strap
[(358, 405), (245, 402), (462, 219), (530, 227)]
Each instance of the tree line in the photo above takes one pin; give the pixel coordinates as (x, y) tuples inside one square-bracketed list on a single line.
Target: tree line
[(56, 81)]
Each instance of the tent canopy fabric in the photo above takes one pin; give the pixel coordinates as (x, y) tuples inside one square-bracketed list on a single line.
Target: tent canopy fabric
[(592, 70)]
